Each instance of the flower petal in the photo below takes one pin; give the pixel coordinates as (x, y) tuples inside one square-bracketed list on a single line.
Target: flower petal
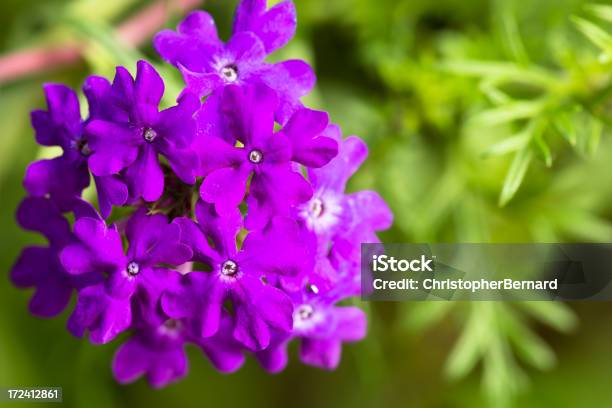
[(225, 188), (145, 176), (275, 27)]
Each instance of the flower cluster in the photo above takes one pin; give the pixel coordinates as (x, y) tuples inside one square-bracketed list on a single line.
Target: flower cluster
[(222, 221)]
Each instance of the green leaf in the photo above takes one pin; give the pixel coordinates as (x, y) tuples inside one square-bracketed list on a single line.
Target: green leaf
[(515, 175), (507, 71), (602, 11), (564, 124), (508, 145), (473, 341), (543, 148), (596, 34), (508, 113), (510, 33), (554, 314), (530, 347), (594, 136)]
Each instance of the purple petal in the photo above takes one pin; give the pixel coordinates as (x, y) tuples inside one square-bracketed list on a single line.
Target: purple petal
[(200, 83), (137, 357), (119, 285), (102, 241), (41, 215), (222, 350), (131, 361), (225, 188), (245, 48), (266, 199), (250, 113), (247, 12), (223, 230), (38, 267), (195, 239), (61, 178), (351, 323), (275, 27), (310, 147), (114, 147), (199, 24), (98, 92), (149, 86), (274, 359), (351, 154), (123, 89), (216, 153), (258, 308), (112, 191), (321, 353), (177, 124), (168, 367), (291, 80), (211, 311), (293, 250), (62, 123), (193, 46), (77, 259), (146, 232), (102, 315), (370, 209), (145, 176)]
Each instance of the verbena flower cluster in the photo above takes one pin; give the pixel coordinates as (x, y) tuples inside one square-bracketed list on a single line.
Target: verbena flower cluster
[(232, 230)]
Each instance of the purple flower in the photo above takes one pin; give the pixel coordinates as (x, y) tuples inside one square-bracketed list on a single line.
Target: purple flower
[(274, 27), (262, 258), (270, 157), (157, 350), (131, 143), (106, 309), (321, 328), (239, 276), (65, 177), (342, 221), (207, 64), (39, 267)]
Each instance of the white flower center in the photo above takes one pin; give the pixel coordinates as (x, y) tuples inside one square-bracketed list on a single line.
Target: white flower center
[(230, 73), (316, 207), (255, 156), (149, 135), (171, 328), (303, 312), (322, 212), (229, 268), (133, 269)]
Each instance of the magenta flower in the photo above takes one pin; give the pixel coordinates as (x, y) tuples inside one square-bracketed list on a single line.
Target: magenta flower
[(321, 327), (274, 27), (236, 234), (39, 267), (131, 143), (106, 309), (65, 177), (157, 350), (239, 275), (208, 65), (340, 221), (270, 157)]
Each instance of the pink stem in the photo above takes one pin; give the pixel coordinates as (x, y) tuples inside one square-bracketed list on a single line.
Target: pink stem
[(132, 32)]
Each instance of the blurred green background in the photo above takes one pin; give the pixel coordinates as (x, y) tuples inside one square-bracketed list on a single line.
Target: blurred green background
[(487, 121)]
